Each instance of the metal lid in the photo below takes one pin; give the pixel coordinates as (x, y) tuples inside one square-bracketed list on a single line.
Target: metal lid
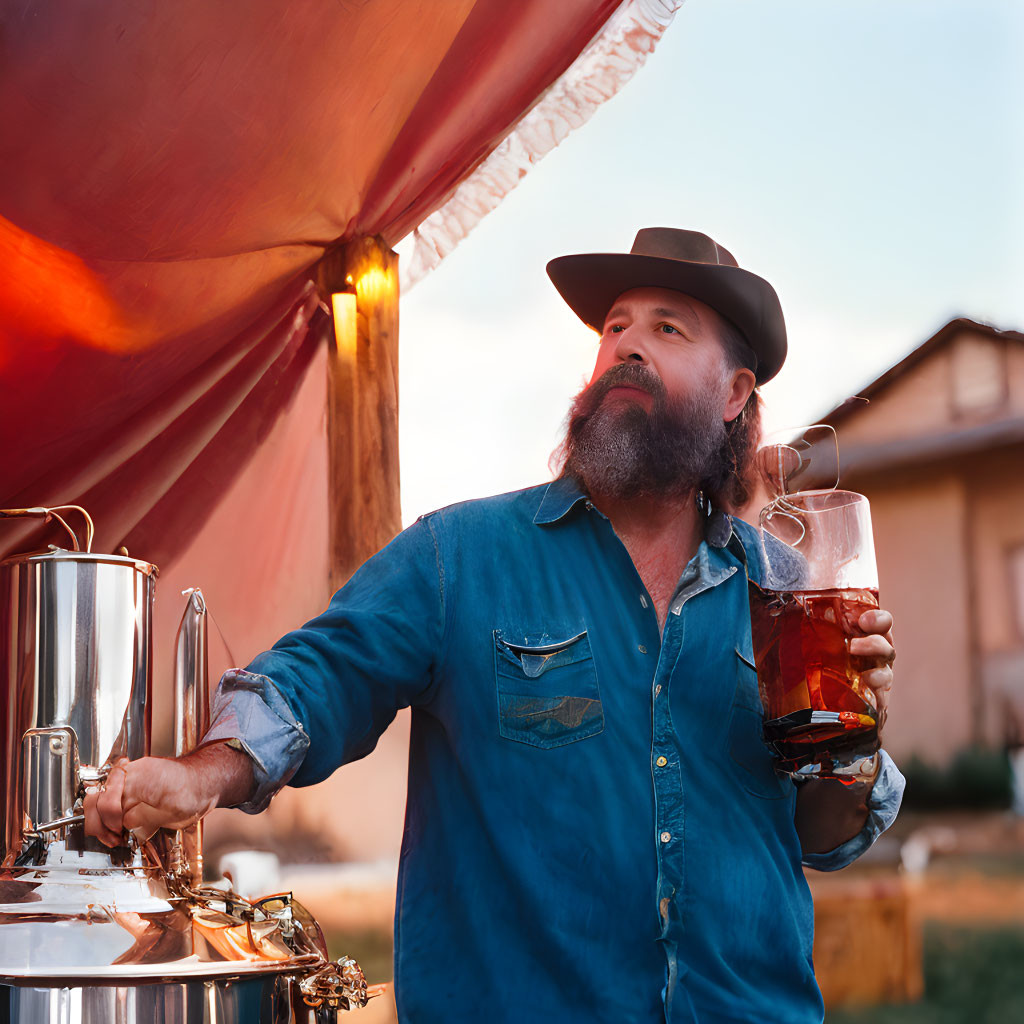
[(85, 557)]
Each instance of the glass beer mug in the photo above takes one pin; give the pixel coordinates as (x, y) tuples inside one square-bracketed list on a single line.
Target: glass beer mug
[(819, 577)]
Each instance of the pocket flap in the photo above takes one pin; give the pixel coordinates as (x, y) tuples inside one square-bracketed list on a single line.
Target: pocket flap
[(535, 659)]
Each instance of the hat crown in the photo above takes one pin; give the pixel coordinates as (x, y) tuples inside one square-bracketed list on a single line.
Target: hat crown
[(679, 244)]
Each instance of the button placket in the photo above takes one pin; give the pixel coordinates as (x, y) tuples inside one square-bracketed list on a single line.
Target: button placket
[(668, 784), (670, 794)]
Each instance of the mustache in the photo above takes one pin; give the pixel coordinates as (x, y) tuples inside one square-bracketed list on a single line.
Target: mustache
[(633, 374)]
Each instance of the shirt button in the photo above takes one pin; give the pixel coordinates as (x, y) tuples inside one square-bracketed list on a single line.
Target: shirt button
[(641, 648), (657, 690), (666, 836), (661, 762), (643, 600)]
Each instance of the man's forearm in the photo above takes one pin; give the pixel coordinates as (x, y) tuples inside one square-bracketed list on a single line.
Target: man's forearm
[(226, 773)]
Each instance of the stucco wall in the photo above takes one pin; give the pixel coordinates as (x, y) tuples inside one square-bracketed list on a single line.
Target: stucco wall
[(996, 492), (1015, 377), (919, 541), (997, 527)]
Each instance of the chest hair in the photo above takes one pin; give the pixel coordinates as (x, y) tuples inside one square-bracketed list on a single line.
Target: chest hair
[(659, 566)]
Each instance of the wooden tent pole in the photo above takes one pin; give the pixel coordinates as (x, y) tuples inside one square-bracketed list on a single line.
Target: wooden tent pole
[(360, 281)]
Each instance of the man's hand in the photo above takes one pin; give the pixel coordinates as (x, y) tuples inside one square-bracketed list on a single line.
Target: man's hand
[(827, 812), (162, 792), (875, 654)]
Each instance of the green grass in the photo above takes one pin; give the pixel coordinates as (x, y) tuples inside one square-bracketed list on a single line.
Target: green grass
[(971, 976), (373, 950)]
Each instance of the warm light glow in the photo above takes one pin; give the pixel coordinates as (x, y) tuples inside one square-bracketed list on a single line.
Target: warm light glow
[(48, 293), (375, 284), (343, 305)]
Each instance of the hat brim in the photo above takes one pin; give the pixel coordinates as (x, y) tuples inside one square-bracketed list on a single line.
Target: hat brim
[(591, 282)]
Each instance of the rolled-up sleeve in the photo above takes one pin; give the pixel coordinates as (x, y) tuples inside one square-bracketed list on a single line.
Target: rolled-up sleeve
[(883, 806), (249, 713)]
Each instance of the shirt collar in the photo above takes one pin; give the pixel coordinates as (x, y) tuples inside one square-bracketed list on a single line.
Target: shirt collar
[(565, 493), (561, 495)]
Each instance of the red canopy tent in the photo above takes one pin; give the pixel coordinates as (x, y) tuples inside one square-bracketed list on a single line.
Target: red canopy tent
[(175, 178)]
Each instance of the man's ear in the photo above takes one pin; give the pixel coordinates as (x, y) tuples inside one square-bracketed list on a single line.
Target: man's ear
[(741, 386)]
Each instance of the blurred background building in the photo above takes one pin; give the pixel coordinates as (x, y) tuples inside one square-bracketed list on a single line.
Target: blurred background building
[(938, 449)]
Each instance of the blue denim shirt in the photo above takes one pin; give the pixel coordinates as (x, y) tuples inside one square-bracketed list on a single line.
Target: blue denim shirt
[(595, 830)]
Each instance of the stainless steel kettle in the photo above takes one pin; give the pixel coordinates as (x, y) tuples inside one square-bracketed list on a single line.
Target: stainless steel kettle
[(129, 935)]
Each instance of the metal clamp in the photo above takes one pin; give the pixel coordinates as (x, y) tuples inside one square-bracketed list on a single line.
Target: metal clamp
[(338, 985)]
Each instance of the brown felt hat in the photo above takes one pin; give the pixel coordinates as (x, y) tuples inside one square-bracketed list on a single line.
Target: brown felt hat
[(685, 261)]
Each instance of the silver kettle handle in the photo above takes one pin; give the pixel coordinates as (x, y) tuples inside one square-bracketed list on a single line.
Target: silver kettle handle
[(191, 721), (191, 682)]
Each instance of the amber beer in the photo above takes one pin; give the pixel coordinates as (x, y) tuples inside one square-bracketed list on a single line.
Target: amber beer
[(816, 708)]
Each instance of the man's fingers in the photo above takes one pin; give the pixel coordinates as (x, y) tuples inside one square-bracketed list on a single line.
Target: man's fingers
[(878, 679), (879, 682), (144, 821), (877, 654), (873, 646), (108, 802), (94, 823), (876, 621)]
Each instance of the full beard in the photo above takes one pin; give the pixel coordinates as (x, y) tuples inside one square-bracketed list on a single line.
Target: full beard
[(620, 450)]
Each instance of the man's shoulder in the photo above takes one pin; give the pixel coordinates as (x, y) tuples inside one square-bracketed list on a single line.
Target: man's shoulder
[(509, 505), (480, 525)]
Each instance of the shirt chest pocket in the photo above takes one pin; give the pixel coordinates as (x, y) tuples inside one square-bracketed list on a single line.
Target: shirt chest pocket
[(547, 691)]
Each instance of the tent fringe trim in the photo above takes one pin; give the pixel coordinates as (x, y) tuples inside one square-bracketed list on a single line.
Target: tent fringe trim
[(609, 61)]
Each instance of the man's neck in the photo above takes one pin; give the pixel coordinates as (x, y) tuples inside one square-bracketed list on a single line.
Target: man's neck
[(661, 536), (648, 521)]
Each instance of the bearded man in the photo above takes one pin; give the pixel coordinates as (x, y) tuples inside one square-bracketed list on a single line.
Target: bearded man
[(595, 830)]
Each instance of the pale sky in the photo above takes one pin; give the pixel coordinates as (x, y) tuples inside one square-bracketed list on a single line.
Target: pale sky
[(864, 157)]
